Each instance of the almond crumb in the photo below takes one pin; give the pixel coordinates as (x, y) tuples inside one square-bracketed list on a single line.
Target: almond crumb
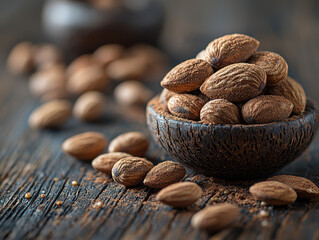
[(28, 195), (74, 183)]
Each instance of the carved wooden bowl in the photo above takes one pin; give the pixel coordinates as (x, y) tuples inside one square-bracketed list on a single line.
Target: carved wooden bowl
[(232, 151)]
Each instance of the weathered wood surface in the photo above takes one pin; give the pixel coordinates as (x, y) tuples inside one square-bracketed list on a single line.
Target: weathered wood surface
[(32, 161)]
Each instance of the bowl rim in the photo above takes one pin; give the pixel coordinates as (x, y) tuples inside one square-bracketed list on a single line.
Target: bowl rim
[(311, 110)]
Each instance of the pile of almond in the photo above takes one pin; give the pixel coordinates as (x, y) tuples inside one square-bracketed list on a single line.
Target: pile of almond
[(230, 82), (87, 78)]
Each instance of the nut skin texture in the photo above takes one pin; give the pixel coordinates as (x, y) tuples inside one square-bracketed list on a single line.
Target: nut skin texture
[(229, 49), (85, 146), (90, 106), (164, 174), (180, 195), (304, 188), (108, 53), (273, 192), (51, 114), (130, 171), (131, 93), (214, 218), (266, 109), (185, 106), (187, 76), (237, 82), (165, 96), (21, 58), (105, 162), (274, 65), (220, 111), (92, 78), (291, 90), (134, 143)]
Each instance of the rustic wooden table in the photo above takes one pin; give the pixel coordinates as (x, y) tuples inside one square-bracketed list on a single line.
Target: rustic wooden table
[(32, 161)]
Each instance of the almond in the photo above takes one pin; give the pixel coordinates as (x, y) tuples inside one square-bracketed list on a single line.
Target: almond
[(187, 76), (273, 192), (135, 143), (108, 53), (51, 114), (91, 78), (266, 109), (180, 194), (203, 55), (274, 65), (165, 97), (21, 58), (90, 106), (185, 106), (132, 93), (130, 171), (214, 218), (229, 49), (85, 146), (47, 53), (164, 174), (291, 90), (105, 162), (81, 62), (237, 82), (220, 111), (303, 186)]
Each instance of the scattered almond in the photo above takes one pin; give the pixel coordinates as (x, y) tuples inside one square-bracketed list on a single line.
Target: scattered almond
[(108, 53), (187, 76), (266, 109), (303, 186), (90, 106), (291, 90), (214, 218), (180, 194), (47, 53), (220, 111), (237, 82), (164, 174), (51, 114), (273, 192), (274, 65), (21, 58), (229, 49), (185, 106), (81, 62), (132, 93), (92, 78), (85, 146), (105, 162), (134, 143), (130, 171)]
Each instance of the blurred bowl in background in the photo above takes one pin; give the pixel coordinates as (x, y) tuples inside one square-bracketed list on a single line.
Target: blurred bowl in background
[(79, 27)]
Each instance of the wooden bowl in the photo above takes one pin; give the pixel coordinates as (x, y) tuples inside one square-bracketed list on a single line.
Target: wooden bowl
[(232, 151), (77, 27)]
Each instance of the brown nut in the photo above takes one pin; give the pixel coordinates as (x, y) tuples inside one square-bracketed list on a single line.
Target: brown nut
[(187, 76), (185, 106), (291, 90), (132, 93), (164, 174), (108, 53), (47, 53), (85, 146), (237, 82), (229, 49), (105, 162), (90, 106), (134, 143), (220, 111), (273, 192), (165, 97), (21, 59), (51, 114), (266, 109), (180, 194), (81, 62), (130, 171), (274, 65), (91, 78), (214, 218)]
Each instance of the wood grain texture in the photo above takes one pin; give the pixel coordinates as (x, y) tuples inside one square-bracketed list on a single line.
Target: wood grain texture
[(30, 160)]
